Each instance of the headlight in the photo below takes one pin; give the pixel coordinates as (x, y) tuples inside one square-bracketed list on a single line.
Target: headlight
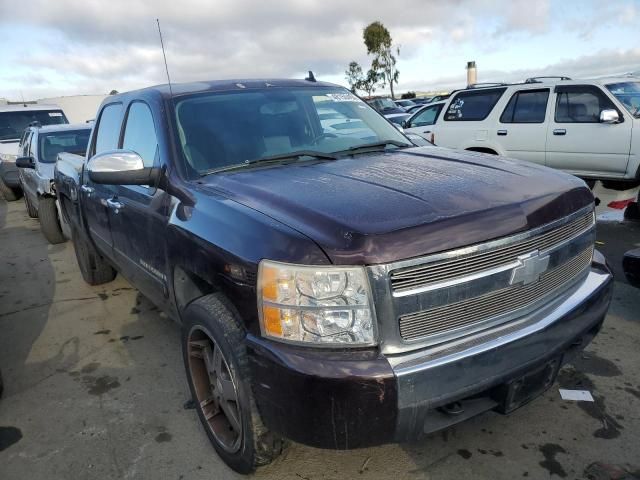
[(320, 305), (7, 157)]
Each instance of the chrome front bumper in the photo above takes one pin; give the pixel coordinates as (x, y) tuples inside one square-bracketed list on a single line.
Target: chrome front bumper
[(472, 367)]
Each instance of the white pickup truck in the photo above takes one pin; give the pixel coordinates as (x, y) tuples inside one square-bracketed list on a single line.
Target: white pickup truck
[(584, 127)]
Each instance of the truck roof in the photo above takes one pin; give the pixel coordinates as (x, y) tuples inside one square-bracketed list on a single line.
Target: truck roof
[(63, 126), (28, 106), (179, 89)]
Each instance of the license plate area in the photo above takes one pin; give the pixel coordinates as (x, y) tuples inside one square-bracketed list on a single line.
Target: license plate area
[(525, 388)]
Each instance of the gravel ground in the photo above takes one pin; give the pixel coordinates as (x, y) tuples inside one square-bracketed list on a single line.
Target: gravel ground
[(95, 389)]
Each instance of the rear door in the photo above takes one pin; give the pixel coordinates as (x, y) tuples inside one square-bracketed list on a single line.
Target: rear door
[(468, 119), (139, 214), (522, 127), (94, 196), (576, 140), (422, 122)]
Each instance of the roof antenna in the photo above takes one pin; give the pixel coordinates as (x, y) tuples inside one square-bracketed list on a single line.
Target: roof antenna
[(310, 77), (165, 57), (24, 104)]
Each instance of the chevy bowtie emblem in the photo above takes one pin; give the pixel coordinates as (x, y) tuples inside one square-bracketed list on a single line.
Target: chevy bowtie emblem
[(532, 265)]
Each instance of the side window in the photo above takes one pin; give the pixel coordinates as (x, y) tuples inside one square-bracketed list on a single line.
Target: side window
[(581, 104), (140, 133), (24, 144), (473, 105), (426, 117), (108, 132), (526, 106), (33, 145)]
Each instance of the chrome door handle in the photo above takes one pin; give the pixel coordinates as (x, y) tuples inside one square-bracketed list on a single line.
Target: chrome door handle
[(502, 132), (87, 189), (559, 131), (114, 205)]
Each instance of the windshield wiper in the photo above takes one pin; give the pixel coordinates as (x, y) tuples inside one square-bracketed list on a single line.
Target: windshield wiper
[(273, 159), (376, 146)]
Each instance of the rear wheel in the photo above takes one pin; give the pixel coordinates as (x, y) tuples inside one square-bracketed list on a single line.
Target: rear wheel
[(95, 269), (31, 211), (9, 194), (215, 358)]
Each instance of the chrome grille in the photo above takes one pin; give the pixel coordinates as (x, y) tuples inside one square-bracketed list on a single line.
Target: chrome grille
[(483, 308), (411, 278)]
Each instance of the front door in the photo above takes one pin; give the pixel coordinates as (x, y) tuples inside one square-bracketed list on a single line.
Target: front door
[(94, 196), (576, 140), (139, 214)]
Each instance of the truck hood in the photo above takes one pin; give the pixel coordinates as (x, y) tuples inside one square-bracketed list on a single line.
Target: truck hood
[(387, 206)]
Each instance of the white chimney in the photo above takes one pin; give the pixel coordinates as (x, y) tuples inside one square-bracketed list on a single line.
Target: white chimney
[(472, 74)]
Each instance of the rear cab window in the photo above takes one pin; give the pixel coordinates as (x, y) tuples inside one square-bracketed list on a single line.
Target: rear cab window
[(69, 141), (473, 105), (526, 106)]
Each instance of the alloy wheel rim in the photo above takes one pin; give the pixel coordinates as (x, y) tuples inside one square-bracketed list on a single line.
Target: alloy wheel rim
[(216, 390)]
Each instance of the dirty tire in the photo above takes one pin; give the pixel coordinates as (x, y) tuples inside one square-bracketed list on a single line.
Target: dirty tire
[(95, 269), (9, 194), (49, 222), (216, 317), (31, 211)]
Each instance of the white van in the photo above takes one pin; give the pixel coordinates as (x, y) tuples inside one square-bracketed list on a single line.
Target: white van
[(584, 127)]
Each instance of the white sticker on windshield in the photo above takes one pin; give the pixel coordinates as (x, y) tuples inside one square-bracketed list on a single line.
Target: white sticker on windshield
[(343, 97), (55, 114)]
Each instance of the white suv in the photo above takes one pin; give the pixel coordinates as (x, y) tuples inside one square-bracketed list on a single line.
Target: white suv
[(584, 127)]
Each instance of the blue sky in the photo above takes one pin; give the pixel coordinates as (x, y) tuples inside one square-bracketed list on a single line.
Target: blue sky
[(81, 47)]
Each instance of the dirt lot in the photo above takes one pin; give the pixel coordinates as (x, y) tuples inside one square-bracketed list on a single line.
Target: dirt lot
[(95, 389)]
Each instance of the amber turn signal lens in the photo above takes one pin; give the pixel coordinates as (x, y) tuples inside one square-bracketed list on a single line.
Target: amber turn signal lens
[(269, 284), (271, 319)]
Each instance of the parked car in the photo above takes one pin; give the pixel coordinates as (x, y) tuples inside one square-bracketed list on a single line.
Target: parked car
[(421, 122), (439, 98), (334, 291), (385, 106), (397, 118), (405, 104), (41, 148), (14, 119), (422, 100), (414, 108), (583, 127)]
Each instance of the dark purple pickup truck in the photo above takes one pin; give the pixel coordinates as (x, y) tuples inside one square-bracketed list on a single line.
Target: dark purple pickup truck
[(337, 285)]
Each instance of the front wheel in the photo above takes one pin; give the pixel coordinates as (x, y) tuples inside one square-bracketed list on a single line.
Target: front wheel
[(215, 358), (95, 269), (31, 211)]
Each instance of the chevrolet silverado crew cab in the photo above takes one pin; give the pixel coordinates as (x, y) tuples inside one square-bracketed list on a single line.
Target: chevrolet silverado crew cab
[(41, 146), (340, 288), (590, 128), (14, 119)]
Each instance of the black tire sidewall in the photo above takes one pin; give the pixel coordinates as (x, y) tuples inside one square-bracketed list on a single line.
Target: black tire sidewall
[(49, 221), (197, 315)]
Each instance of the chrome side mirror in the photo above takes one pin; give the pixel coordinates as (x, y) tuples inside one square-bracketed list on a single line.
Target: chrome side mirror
[(120, 167), (609, 116)]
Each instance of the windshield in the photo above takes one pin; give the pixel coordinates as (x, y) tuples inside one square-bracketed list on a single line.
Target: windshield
[(70, 141), (219, 130), (628, 93), (12, 124)]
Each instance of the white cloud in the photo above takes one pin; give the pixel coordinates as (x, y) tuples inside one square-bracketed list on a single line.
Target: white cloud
[(93, 46)]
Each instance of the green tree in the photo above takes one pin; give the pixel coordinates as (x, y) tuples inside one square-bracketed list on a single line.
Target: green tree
[(354, 76), (370, 82), (379, 43)]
